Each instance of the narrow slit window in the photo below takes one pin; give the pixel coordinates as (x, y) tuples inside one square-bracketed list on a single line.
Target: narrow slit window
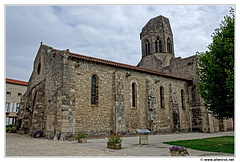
[(39, 68), (183, 99), (169, 46), (94, 91), (134, 95), (162, 97)]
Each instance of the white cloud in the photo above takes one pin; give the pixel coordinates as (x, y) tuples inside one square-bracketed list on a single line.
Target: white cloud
[(106, 31)]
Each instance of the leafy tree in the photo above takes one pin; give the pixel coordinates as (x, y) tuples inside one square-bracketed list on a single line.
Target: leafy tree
[(216, 71)]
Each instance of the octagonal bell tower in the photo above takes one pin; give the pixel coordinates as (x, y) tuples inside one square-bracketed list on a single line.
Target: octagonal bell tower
[(157, 39)]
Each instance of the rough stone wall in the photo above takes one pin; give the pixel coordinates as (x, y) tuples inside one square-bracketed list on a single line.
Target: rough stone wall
[(148, 112), (151, 62), (186, 68), (42, 93), (114, 111), (183, 67), (94, 119), (67, 100), (58, 99)]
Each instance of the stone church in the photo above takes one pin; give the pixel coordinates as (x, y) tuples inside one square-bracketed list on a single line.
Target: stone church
[(72, 93)]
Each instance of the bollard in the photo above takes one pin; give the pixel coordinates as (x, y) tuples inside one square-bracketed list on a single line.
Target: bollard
[(143, 136)]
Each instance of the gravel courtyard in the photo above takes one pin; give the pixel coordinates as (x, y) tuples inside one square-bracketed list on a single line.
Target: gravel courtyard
[(24, 145)]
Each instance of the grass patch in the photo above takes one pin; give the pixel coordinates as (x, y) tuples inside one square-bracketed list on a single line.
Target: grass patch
[(223, 144)]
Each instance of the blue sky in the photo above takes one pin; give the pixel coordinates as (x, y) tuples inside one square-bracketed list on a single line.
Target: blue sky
[(109, 32)]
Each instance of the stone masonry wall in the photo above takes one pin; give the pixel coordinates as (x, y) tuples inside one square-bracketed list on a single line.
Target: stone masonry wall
[(151, 62), (58, 99), (183, 67), (40, 101), (93, 119), (114, 111)]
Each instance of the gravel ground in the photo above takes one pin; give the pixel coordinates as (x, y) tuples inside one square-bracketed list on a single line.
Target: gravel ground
[(24, 145)]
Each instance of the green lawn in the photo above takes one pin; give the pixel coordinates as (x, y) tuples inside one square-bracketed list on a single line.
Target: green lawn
[(223, 144)]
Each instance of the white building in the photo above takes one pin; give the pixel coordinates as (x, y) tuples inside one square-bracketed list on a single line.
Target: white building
[(14, 91)]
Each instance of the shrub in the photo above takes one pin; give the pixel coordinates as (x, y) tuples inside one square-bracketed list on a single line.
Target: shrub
[(81, 135), (181, 149), (113, 138), (8, 128)]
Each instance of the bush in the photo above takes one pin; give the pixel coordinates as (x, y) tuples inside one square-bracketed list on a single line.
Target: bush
[(81, 135), (8, 128), (114, 139)]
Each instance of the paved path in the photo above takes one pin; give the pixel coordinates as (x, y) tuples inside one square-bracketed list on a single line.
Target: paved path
[(23, 145)]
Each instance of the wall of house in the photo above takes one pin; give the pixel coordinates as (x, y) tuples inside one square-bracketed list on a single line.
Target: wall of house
[(14, 92)]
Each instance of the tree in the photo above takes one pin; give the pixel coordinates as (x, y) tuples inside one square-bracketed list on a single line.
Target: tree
[(216, 71)]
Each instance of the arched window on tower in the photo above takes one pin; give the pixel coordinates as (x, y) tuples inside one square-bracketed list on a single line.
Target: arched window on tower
[(94, 90), (169, 46), (158, 45), (162, 104), (183, 99), (134, 95), (147, 47)]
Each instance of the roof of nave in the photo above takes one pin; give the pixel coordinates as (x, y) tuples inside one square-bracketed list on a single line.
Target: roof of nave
[(121, 65)]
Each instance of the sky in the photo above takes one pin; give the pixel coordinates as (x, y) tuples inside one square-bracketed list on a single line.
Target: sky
[(110, 32)]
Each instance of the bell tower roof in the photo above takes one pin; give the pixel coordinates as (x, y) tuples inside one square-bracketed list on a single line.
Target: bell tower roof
[(157, 39), (159, 24)]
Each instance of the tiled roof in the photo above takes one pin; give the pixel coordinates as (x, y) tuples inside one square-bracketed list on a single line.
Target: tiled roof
[(121, 65), (13, 81)]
